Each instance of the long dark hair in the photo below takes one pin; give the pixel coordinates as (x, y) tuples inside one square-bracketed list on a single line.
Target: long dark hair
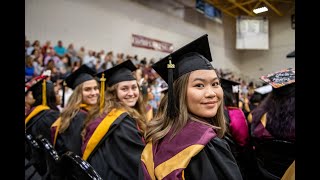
[(280, 108), (161, 124), (229, 99)]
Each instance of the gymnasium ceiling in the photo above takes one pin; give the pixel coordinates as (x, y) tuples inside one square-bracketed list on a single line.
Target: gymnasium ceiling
[(235, 8), (232, 8)]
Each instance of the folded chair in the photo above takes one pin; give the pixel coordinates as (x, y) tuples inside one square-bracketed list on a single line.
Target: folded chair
[(34, 157), (76, 168), (52, 159)]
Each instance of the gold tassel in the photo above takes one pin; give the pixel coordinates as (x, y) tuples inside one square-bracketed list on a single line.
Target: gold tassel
[(44, 92), (102, 91)]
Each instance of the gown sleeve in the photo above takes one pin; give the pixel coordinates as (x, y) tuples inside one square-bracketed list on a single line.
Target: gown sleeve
[(70, 139), (118, 157), (43, 125), (215, 161)]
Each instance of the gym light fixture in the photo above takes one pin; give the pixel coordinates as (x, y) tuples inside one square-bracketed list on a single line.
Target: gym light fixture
[(260, 10)]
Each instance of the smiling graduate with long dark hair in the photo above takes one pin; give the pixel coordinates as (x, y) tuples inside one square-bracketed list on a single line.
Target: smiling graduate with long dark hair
[(184, 140)]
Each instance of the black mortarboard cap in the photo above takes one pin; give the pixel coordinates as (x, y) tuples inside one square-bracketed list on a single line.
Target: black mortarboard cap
[(82, 74), (35, 82), (229, 85), (41, 89), (38, 85), (231, 91), (194, 56), (119, 73)]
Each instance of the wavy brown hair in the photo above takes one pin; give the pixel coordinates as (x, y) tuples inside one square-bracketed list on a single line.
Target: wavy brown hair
[(161, 124), (112, 101), (72, 108)]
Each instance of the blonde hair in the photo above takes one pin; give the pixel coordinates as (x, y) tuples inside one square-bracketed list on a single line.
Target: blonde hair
[(112, 101), (72, 108), (161, 124)]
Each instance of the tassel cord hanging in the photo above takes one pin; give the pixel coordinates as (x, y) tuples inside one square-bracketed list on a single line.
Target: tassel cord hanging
[(102, 92), (171, 102), (44, 92)]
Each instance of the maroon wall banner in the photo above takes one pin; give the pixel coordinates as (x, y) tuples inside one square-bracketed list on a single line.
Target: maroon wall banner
[(148, 43)]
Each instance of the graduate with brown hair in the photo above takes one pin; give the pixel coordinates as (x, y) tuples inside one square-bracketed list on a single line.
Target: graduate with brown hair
[(66, 131), (184, 140), (113, 131)]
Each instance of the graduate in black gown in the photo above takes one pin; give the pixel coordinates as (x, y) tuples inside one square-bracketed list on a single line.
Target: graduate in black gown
[(44, 110), (184, 140), (66, 131), (40, 117), (273, 126), (113, 132), (237, 135)]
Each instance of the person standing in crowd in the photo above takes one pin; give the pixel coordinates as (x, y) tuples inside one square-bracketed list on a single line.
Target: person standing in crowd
[(185, 139), (113, 131), (273, 126), (66, 131)]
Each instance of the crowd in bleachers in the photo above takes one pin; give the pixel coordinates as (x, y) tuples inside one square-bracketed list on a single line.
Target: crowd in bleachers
[(62, 60)]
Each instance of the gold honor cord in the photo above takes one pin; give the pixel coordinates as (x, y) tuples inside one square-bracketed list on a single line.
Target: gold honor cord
[(102, 91), (44, 92)]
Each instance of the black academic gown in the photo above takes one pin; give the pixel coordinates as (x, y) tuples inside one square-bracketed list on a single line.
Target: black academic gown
[(38, 122), (215, 161), (273, 155), (195, 153), (41, 123), (117, 154), (70, 139)]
